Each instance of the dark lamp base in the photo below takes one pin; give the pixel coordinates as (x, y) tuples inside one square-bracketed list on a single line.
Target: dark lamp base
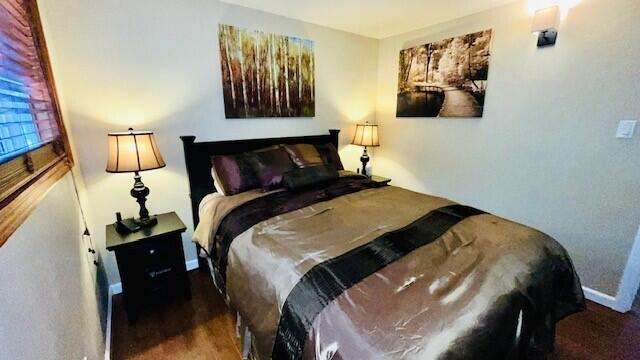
[(364, 159), (148, 222), (140, 192)]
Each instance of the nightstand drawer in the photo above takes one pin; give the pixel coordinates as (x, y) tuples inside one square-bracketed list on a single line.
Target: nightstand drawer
[(162, 278), (158, 255)]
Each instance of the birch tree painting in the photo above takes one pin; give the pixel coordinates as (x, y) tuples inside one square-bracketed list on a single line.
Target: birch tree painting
[(266, 75), (446, 78)]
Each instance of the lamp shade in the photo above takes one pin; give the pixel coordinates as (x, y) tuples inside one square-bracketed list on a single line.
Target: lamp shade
[(366, 135), (133, 151), (546, 19)]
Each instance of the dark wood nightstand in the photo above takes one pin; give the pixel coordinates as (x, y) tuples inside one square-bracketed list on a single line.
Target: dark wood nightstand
[(150, 261), (379, 180)]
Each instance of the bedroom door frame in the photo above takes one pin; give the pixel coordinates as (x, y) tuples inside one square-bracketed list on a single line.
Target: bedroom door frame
[(630, 282)]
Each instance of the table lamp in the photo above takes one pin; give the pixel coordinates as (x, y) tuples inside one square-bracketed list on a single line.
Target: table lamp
[(366, 135), (135, 151)]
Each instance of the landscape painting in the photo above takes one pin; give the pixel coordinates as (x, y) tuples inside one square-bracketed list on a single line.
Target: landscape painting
[(446, 78), (266, 75)]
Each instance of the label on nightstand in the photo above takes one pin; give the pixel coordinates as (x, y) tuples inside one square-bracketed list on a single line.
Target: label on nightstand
[(159, 272)]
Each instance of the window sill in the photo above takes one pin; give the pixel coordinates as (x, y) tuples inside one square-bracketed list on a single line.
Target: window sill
[(14, 213)]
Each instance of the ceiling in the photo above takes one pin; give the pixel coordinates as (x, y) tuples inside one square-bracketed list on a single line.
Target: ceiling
[(373, 18)]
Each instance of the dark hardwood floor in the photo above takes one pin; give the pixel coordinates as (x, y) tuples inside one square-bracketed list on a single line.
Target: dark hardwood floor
[(178, 329), (203, 329)]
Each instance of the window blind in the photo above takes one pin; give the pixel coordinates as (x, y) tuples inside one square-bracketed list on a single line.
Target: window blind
[(33, 143), (27, 116)]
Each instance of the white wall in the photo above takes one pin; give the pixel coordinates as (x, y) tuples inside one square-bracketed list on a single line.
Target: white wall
[(544, 153), (48, 306), (153, 64)]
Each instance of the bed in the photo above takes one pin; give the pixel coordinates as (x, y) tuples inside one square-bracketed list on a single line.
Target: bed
[(350, 270)]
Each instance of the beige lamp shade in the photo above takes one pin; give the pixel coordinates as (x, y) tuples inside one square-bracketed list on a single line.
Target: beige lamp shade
[(366, 135), (133, 151), (546, 19)]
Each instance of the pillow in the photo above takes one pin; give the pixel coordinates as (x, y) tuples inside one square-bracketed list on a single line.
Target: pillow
[(305, 177), (234, 173), (304, 155), (330, 155), (270, 165), (216, 182)]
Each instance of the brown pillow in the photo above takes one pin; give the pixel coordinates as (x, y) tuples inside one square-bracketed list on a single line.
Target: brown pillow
[(330, 155), (269, 166), (304, 155), (303, 178)]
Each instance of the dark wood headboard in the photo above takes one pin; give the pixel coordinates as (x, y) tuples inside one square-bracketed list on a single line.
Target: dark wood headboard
[(197, 156)]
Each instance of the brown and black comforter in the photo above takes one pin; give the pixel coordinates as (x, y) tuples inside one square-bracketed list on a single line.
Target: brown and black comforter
[(348, 271)]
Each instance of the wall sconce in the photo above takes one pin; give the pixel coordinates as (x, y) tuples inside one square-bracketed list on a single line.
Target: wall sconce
[(545, 23)]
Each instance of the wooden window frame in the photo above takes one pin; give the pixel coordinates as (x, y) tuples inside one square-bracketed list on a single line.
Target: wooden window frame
[(24, 196)]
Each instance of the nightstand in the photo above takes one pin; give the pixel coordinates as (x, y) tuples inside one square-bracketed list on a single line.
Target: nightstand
[(379, 180), (150, 261)]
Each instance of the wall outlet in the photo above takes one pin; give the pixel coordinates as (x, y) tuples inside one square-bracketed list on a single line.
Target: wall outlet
[(626, 128)]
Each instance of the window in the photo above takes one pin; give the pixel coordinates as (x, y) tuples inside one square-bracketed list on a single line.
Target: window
[(18, 128), (34, 151)]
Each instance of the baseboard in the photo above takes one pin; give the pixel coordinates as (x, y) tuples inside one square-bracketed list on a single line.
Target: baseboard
[(192, 264), (598, 297), (629, 283), (613, 303), (107, 336), (117, 287)]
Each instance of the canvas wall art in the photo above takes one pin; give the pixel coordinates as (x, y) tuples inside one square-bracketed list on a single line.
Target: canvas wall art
[(446, 78), (266, 75)]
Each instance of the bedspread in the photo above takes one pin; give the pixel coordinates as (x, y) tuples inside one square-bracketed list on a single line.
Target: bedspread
[(351, 271)]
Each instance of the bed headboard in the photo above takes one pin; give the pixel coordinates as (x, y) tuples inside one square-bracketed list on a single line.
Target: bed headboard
[(197, 156)]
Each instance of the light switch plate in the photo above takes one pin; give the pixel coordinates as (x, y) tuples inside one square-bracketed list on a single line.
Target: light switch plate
[(626, 129)]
